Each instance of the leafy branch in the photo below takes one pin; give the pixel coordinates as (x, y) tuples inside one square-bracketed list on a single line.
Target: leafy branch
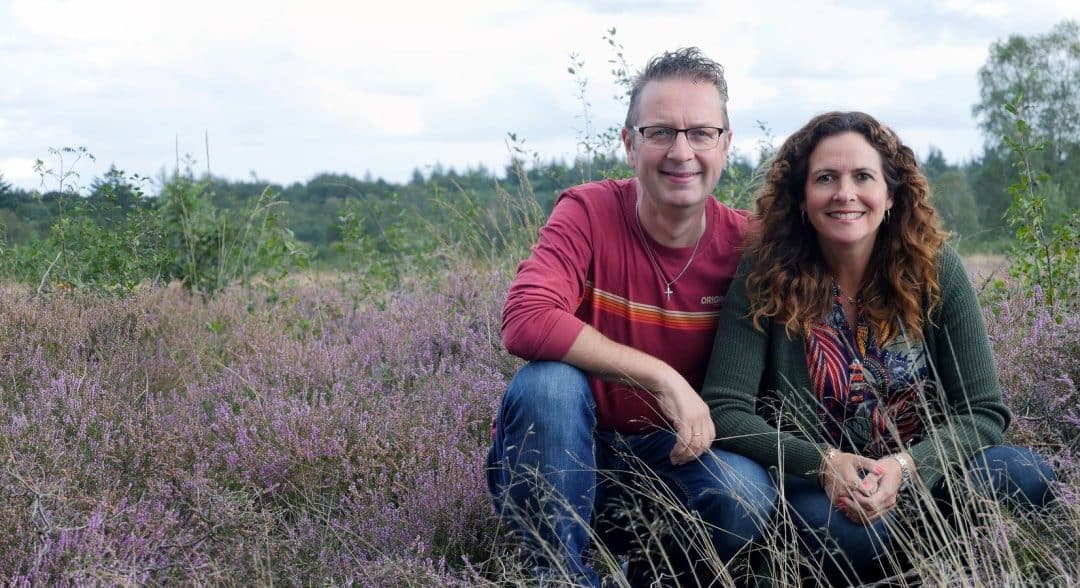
[(1044, 254)]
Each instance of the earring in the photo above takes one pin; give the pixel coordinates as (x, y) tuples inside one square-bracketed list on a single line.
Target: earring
[(803, 216), (888, 214)]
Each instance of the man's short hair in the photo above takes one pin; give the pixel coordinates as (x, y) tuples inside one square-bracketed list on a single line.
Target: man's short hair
[(687, 62)]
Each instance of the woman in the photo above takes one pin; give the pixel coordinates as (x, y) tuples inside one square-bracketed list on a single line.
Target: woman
[(851, 354)]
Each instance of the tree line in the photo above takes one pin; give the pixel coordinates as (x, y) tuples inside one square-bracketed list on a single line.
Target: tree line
[(970, 196), (333, 218)]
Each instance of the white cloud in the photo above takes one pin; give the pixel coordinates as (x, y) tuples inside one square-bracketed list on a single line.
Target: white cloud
[(363, 111), (18, 171), (979, 8), (292, 89)]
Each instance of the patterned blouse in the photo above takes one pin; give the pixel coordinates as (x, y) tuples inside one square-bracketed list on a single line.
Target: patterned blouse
[(868, 382)]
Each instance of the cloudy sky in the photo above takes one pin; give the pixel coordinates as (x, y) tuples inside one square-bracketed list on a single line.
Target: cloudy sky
[(286, 90)]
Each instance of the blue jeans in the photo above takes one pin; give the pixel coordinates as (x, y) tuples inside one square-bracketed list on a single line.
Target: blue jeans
[(847, 551), (550, 471)]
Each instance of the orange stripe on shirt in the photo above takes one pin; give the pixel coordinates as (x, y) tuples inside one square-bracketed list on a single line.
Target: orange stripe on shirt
[(651, 315)]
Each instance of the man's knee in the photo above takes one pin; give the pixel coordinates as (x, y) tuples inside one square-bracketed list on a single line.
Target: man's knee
[(549, 392), (547, 419), (743, 500), (747, 483)]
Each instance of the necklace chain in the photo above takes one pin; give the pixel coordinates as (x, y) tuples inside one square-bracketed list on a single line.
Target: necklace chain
[(648, 250), (857, 300)]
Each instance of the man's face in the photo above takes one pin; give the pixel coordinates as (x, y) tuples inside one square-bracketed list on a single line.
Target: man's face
[(678, 176)]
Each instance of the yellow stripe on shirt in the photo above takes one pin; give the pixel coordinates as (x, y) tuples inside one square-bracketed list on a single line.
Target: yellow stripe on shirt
[(649, 314)]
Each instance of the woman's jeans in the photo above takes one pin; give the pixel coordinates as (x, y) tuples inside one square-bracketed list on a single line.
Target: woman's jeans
[(849, 552), (550, 472)]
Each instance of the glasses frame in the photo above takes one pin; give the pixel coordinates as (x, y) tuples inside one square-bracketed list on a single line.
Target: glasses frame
[(675, 137)]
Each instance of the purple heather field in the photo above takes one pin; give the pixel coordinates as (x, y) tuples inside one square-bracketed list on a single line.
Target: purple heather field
[(173, 439)]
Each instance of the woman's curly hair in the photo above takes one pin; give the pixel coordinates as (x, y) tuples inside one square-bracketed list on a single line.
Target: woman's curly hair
[(789, 281)]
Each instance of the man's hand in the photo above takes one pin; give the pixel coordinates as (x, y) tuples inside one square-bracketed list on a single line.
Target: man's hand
[(678, 401), (694, 429)]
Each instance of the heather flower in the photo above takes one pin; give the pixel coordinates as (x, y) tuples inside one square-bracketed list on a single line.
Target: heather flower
[(322, 439)]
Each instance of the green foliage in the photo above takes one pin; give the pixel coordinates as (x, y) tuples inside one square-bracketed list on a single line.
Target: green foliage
[(207, 248), (104, 244), (381, 242), (208, 232), (116, 238), (955, 201), (741, 179), (935, 165), (1045, 70), (1045, 254), (500, 231), (104, 257), (739, 182), (600, 146), (386, 241), (64, 168)]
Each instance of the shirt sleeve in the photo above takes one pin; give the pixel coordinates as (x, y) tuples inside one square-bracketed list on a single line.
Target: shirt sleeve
[(732, 383), (976, 415), (538, 317)]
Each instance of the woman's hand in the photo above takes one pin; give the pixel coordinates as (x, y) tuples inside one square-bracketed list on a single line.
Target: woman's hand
[(847, 475), (867, 508)]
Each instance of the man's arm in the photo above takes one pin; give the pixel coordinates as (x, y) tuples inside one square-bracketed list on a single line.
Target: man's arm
[(594, 353), (539, 324), (538, 317)]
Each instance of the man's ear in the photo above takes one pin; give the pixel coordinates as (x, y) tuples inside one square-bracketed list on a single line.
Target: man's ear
[(628, 143)]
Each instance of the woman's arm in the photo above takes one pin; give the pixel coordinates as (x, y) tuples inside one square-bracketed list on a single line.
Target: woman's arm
[(732, 382), (975, 414)]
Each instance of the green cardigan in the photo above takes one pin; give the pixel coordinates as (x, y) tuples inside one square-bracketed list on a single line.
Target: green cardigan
[(761, 400)]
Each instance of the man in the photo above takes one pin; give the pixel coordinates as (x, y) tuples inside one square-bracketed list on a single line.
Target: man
[(616, 308)]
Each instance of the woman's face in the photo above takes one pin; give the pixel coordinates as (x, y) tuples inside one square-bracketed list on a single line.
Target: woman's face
[(846, 194)]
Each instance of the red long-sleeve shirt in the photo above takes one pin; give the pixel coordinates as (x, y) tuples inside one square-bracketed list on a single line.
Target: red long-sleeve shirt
[(591, 267)]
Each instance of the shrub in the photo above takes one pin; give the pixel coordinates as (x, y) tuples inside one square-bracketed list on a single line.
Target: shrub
[(1037, 353), (207, 249), (1045, 253), (169, 438)]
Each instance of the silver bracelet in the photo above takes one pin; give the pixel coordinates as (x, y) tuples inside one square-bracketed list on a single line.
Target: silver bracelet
[(905, 471)]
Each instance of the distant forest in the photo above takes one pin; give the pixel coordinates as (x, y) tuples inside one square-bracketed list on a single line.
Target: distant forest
[(971, 197)]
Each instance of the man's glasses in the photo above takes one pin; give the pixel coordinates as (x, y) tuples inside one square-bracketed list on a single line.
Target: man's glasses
[(699, 138)]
